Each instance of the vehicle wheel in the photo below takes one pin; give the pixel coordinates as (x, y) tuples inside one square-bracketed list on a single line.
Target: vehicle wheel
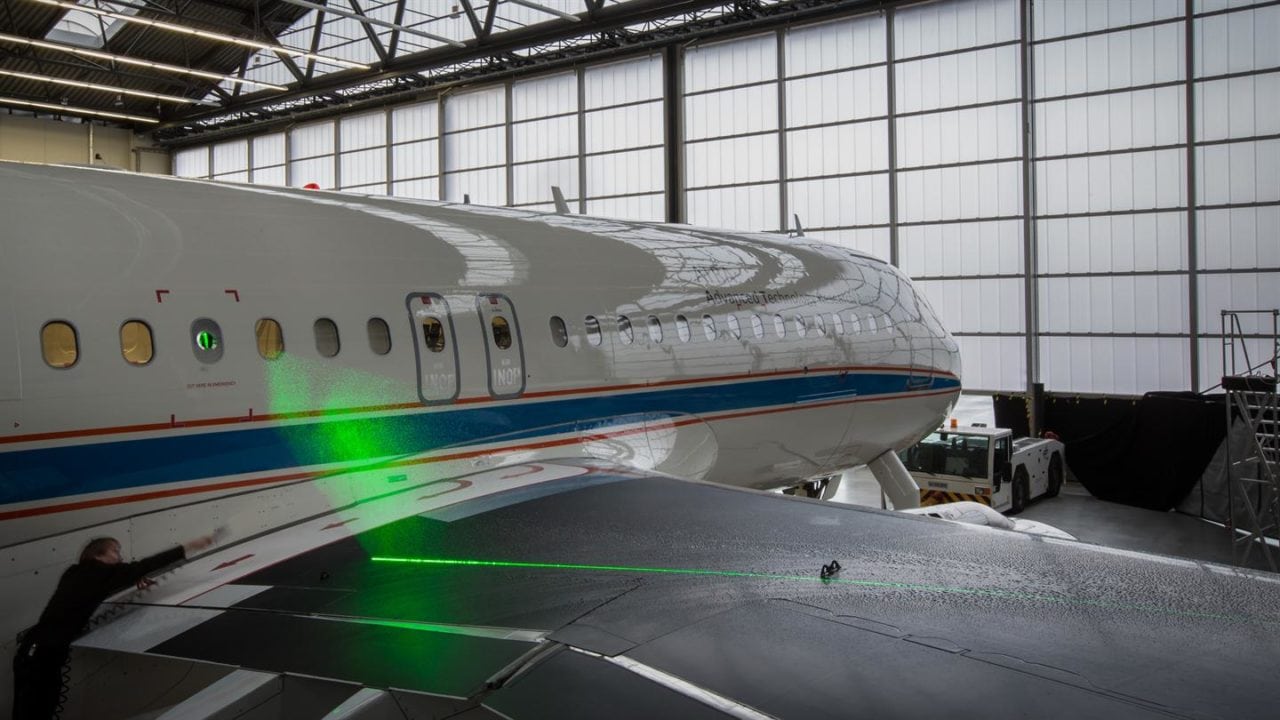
[(1055, 476), (1021, 489)]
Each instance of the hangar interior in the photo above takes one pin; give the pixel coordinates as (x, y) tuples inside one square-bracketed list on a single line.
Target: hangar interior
[(1083, 188)]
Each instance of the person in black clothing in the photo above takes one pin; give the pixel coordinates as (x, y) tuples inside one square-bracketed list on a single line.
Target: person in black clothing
[(37, 667)]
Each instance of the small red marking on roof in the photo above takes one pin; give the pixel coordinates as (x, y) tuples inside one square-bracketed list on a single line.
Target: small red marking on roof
[(229, 563)]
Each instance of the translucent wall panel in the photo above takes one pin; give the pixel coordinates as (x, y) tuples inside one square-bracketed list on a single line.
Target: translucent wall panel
[(1144, 56), (268, 176), (1238, 107), (736, 62), (623, 82), (1237, 41), (838, 97), (311, 140), (358, 132), (970, 191), (268, 150), (1147, 242), (484, 187), (1054, 18), (1120, 366), (977, 306), (315, 170), (623, 128), (1115, 121), (1108, 183), (635, 171), (735, 160), (1238, 291), (543, 97), (532, 181), (1114, 304), (955, 136), (1248, 353), (191, 162), (363, 167), (415, 159), (477, 109), (838, 149), (415, 122), (835, 45), (1242, 238), (635, 207), (475, 148), (951, 249), (754, 207), (981, 76), (427, 189), (544, 139), (1238, 172), (731, 112), (230, 157), (874, 241), (943, 27), (992, 363), (840, 202)]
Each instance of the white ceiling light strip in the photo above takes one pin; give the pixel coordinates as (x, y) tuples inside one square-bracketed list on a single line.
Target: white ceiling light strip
[(104, 88), (126, 60), (75, 110), (206, 34)]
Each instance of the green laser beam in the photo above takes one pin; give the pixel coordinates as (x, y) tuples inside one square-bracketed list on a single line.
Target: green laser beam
[(881, 584)]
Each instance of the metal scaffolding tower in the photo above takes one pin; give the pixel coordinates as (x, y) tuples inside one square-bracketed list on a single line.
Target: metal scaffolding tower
[(1253, 476)]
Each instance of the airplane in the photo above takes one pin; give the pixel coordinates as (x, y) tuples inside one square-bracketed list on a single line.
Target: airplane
[(495, 462)]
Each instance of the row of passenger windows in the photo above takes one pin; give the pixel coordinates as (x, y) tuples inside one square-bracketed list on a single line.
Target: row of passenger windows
[(60, 342), (817, 323)]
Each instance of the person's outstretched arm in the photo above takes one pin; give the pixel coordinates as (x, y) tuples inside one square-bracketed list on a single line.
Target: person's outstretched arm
[(123, 575)]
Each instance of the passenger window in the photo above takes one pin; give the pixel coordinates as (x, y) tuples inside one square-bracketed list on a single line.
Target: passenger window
[(837, 323), (327, 342), (593, 331), (888, 323), (433, 333), (734, 327), (708, 328), (871, 323), (206, 340), (682, 328), (559, 333), (779, 326), (801, 329), (136, 342), (270, 338), (854, 326), (379, 336), (59, 344), (655, 329), (501, 332), (820, 324), (625, 333), (757, 327)]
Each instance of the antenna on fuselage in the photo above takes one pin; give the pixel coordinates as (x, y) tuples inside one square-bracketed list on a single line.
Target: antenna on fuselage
[(466, 198), (799, 231), (562, 207)]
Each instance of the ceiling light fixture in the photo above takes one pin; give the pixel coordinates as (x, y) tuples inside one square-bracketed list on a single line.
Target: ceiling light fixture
[(104, 88), (206, 34), (75, 110), (135, 61)]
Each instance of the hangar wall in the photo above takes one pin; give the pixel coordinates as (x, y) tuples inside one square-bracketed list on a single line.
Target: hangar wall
[(1079, 185), (41, 140)]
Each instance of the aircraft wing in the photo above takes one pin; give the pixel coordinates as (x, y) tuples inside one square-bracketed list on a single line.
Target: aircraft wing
[(598, 591)]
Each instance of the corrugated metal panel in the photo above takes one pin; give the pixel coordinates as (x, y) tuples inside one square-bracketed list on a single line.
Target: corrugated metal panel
[(736, 62), (540, 97)]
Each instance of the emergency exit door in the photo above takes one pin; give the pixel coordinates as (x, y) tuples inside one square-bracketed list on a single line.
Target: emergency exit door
[(436, 347), (504, 354)]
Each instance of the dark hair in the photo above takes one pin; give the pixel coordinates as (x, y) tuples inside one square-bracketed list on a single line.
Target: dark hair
[(96, 547)]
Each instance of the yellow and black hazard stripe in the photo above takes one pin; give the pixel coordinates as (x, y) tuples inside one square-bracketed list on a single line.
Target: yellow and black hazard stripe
[(941, 497)]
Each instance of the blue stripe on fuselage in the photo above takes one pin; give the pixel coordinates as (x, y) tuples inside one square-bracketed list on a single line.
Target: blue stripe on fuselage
[(78, 469)]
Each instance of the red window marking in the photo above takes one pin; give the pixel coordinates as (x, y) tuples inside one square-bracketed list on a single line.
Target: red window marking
[(235, 293), (229, 563), (159, 294)]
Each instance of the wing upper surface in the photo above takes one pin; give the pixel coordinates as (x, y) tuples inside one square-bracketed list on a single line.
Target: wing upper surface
[(578, 591)]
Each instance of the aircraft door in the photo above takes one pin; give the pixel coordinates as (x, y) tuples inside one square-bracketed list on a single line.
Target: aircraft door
[(502, 348), (436, 348)]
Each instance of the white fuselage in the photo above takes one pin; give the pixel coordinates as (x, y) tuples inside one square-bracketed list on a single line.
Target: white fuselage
[(778, 359)]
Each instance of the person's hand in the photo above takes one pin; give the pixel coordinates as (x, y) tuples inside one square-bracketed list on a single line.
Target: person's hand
[(145, 583), (197, 544)]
